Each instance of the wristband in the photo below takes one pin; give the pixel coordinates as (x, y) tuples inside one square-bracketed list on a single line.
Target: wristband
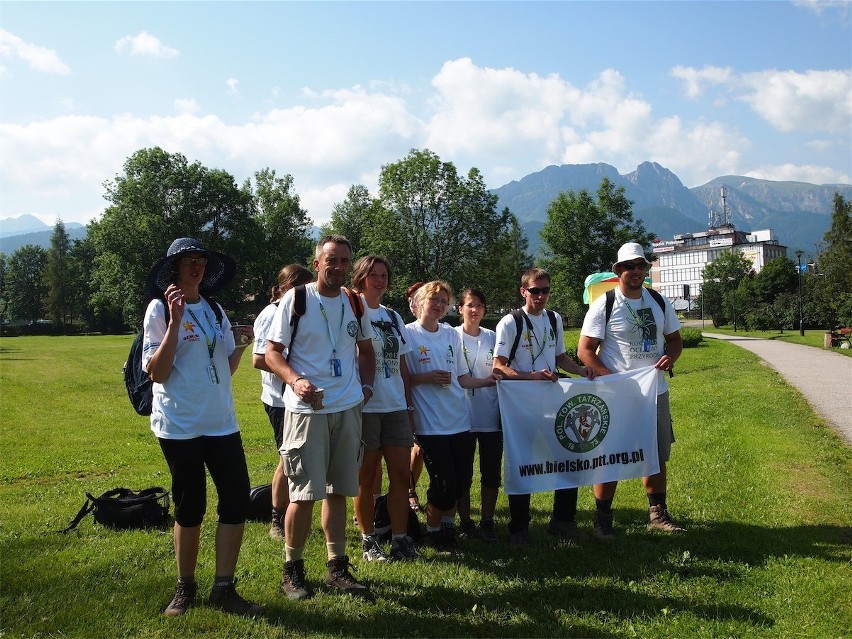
[(293, 385), (369, 387), (411, 409)]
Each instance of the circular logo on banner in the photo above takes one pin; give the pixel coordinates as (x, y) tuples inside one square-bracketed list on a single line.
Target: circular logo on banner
[(582, 423)]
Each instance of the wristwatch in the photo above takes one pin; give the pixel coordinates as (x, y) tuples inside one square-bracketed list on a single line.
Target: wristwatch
[(411, 409), (369, 387)]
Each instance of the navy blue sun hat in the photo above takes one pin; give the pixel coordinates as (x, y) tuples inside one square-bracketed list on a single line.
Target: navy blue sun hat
[(218, 273)]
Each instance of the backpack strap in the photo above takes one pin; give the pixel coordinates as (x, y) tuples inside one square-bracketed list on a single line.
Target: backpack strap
[(519, 327), (392, 314), (217, 310), (355, 302), (87, 507), (300, 305)]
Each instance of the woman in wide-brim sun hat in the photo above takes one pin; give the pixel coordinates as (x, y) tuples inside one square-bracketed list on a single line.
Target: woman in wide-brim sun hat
[(190, 355)]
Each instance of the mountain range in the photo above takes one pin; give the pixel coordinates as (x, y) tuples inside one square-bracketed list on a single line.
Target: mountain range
[(798, 212)]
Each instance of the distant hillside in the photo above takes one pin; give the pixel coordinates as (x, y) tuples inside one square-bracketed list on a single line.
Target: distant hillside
[(798, 212), (9, 245)]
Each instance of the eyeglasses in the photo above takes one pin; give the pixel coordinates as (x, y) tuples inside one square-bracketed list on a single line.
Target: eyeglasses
[(438, 301), (630, 266), (538, 291), (201, 261)]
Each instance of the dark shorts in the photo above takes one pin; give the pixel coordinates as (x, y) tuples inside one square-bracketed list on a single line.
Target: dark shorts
[(665, 430), (225, 459), (276, 418), (449, 462), (380, 430)]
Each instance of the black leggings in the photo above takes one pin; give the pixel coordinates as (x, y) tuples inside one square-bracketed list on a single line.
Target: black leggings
[(226, 461), (449, 462)]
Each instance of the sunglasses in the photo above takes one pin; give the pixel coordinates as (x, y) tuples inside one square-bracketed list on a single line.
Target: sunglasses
[(201, 261), (632, 266), (538, 291)]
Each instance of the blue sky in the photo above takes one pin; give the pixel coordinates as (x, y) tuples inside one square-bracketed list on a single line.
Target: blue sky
[(331, 91)]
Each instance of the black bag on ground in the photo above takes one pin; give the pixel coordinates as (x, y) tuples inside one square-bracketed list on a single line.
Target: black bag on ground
[(126, 509), (382, 521), (260, 504)]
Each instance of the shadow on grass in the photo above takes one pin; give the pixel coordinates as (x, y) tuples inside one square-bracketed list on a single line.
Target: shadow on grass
[(553, 588)]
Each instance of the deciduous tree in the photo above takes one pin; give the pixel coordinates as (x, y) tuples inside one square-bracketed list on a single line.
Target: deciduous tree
[(25, 286), (582, 236)]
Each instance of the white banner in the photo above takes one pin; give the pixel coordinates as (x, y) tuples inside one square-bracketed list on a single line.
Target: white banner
[(577, 433)]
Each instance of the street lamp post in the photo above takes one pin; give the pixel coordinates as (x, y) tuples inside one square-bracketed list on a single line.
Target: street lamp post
[(799, 271)]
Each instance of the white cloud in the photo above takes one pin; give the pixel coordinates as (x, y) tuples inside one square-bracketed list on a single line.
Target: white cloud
[(37, 57), (146, 45), (697, 79), (232, 85), (841, 7), (505, 122), (788, 100), (810, 101), (799, 173), (186, 106)]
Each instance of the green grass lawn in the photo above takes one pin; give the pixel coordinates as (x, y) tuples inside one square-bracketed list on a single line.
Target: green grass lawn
[(762, 483), (813, 338)]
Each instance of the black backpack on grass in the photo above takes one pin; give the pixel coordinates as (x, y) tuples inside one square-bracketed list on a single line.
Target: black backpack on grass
[(126, 509), (136, 380)]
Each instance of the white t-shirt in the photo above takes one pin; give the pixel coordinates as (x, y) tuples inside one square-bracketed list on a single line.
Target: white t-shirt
[(388, 389), (635, 335), (437, 410), (538, 348), (327, 331), (271, 387), (188, 404), (478, 358)]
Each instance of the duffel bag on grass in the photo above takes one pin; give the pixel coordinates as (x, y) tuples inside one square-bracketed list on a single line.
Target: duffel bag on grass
[(125, 509)]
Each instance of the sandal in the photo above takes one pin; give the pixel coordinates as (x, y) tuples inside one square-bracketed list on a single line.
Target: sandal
[(413, 501)]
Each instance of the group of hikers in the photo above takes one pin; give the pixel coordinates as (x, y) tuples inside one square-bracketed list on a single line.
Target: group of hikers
[(346, 385)]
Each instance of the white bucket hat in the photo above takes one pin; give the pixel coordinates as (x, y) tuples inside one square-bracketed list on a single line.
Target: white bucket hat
[(630, 252)]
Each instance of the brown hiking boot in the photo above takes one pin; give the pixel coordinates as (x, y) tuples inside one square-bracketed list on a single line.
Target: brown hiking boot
[(659, 519), (276, 530), (226, 598), (294, 583), (184, 597), (339, 577)]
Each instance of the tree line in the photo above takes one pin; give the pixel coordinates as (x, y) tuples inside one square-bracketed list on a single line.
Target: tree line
[(429, 220)]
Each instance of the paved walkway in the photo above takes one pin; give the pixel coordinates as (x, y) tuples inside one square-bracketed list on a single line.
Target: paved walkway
[(823, 377)]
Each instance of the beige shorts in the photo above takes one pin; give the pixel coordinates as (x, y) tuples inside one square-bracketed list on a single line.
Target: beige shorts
[(379, 430), (665, 430), (322, 453)]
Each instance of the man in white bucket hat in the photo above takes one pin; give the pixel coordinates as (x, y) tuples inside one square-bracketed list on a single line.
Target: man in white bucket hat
[(639, 332)]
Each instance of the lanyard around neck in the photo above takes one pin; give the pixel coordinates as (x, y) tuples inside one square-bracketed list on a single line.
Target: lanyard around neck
[(475, 357), (632, 312), (210, 347), (531, 331), (333, 338)]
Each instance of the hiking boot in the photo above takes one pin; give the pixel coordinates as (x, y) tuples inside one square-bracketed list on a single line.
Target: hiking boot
[(565, 530), (443, 541), (294, 583), (184, 597), (603, 525), (372, 550), (520, 538), (339, 577), (276, 530), (659, 519), (487, 532), (402, 549), (468, 530), (226, 598)]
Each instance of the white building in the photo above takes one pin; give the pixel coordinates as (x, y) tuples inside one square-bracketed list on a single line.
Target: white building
[(681, 261)]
